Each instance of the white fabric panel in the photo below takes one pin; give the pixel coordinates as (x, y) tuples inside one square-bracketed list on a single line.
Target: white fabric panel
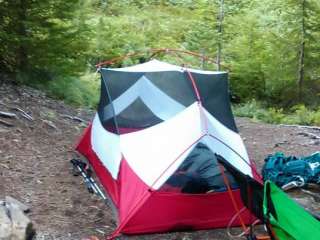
[(151, 151), (221, 149), (151, 96), (158, 66), (230, 138), (107, 147)]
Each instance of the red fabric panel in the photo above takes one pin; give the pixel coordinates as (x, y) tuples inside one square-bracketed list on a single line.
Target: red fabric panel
[(256, 175), (164, 212), (85, 148), (133, 192)]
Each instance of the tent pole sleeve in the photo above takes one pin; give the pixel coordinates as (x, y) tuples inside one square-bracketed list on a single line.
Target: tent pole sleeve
[(111, 102), (234, 203), (194, 85)]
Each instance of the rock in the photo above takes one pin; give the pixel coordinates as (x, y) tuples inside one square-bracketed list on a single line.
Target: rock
[(5, 224), (21, 226), (316, 142), (14, 224), (12, 201)]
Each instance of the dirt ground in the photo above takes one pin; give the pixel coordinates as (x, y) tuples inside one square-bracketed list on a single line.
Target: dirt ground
[(34, 165)]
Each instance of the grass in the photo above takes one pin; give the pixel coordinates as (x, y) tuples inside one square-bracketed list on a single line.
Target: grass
[(76, 91), (298, 114)]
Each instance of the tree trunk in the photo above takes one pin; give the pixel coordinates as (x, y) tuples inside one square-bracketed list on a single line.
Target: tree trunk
[(22, 57), (203, 61), (220, 21), (302, 53)]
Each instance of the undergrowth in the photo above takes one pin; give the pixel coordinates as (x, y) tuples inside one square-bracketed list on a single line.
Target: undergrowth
[(77, 91), (298, 114)]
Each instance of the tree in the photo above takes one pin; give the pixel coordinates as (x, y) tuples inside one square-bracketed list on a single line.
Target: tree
[(40, 38), (297, 23), (219, 30)]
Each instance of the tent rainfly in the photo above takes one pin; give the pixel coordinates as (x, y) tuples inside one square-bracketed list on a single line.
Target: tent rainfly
[(154, 144)]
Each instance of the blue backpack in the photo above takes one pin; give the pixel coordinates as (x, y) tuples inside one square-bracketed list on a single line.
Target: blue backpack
[(282, 169)]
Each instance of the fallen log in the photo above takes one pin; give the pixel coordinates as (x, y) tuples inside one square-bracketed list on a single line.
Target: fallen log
[(301, 126), (73, 118), (8, 114), (50, 124), (308, 134), (5, 123), (23, 113)]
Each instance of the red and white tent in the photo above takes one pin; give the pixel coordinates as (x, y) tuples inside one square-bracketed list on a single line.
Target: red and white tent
[(154, 142)]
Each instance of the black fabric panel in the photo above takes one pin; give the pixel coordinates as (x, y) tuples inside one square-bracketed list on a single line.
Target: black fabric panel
[(107, 119), (270, 205), (137, 115), (113, 85), (214, 94), (172, 83), (251, 190), (118, 82), (175, 85), (199, 173)]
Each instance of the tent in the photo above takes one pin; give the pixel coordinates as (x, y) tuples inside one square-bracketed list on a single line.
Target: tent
[(154, 144), (285, 216)]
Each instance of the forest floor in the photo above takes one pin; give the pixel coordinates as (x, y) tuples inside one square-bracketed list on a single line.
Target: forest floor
[(35, 169)]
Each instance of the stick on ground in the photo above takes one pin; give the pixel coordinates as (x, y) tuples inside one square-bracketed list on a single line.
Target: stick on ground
[(8, 114)]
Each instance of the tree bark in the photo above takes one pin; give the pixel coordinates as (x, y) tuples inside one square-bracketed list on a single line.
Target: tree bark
[(220, 21), (22, 57), (302, 52)]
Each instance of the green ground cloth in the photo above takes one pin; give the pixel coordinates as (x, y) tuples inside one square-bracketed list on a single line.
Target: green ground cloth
[(288, 220)]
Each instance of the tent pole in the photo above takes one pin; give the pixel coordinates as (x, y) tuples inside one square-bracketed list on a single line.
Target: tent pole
[(234, 203)]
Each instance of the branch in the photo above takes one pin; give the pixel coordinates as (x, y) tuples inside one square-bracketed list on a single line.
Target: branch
[(73, 118), (8, 114), (311, 135), (50, 124), (23, 113), (7, 124), (301, 126)]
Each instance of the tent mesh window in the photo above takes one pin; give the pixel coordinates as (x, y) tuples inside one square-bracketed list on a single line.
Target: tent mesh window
[(199, 173)]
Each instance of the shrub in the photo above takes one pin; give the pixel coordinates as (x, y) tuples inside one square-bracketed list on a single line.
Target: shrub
[(79, 91), (298, 114)]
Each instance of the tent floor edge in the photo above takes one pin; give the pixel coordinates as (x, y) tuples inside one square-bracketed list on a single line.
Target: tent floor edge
[(115, 234)]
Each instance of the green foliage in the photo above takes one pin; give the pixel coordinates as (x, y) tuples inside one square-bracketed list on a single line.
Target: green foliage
[(81, 91), (303, 115), (42, 39), (256, 111), (52, 43), (298, 114), (263, 51), (137, 28)]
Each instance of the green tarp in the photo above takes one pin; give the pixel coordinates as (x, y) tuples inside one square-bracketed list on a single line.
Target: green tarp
[(289, 221)]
